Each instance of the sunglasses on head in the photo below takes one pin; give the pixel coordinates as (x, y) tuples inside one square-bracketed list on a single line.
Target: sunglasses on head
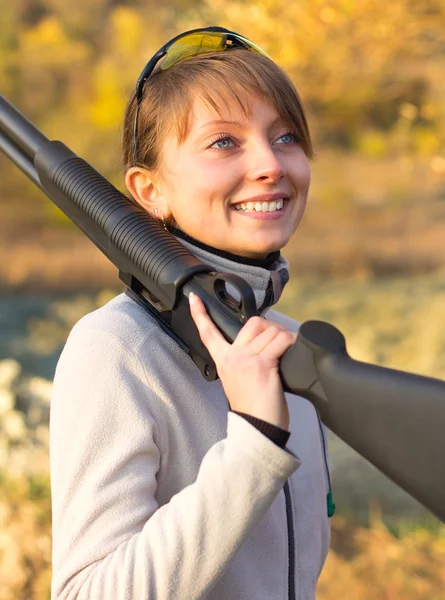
[(185, 45)]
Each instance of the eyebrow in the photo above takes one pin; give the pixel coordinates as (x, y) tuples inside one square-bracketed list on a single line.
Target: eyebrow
[(237, 123), (220, 122)]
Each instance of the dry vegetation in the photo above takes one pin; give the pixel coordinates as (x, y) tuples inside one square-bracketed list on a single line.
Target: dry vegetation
[(398, 322), (25, 539), (372, 563), (374, 91), (359, 238)]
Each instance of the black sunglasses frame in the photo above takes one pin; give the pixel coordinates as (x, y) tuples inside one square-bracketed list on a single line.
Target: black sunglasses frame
[(149, 68)]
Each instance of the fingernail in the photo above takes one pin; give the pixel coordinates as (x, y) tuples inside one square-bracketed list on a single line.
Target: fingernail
[(192, 297)]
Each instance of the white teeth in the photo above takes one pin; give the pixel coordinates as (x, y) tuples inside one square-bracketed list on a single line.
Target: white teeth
[(260, 206)]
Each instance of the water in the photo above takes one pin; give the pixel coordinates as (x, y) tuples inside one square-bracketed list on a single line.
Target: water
[(16, 314)]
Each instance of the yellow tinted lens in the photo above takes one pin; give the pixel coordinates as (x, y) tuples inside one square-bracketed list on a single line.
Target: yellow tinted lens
[(253, 46), (192, 45)]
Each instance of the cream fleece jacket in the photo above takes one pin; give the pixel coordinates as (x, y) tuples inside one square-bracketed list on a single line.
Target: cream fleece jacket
[(161, 493)]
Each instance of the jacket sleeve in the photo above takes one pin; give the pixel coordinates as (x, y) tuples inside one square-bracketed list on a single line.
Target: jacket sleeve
[(111, 539)]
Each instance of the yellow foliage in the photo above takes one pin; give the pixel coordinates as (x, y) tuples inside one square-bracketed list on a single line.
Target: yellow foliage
[(116, 71), (109, 102), (373, 144), (426, 142), (356, 67), (47, 45), (128, 30), (347, 57), (352, 61)]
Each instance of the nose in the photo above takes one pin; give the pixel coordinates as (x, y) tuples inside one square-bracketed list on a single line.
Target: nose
[(264, 164)]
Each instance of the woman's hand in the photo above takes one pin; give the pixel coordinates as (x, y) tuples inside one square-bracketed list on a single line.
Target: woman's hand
[(248, 368)]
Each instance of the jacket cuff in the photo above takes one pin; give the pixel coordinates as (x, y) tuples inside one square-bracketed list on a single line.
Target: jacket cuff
[(275, 434)]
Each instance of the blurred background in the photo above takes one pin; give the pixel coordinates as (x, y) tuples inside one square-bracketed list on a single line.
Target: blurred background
[(368, 257)]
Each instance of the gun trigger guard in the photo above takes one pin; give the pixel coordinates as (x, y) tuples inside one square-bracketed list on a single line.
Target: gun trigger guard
[(245, 303)]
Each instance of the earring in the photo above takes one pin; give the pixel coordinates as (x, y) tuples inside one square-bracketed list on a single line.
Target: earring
[(155, 210)]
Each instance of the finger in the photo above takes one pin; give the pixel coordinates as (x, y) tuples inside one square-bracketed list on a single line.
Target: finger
[(253, 327), (279, 345), (262, 340), (208, 332)]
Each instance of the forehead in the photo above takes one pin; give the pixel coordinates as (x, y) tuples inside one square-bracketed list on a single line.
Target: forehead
[(253, 109)]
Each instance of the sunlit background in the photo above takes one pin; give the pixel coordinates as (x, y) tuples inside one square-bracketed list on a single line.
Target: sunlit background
[(369, 256)]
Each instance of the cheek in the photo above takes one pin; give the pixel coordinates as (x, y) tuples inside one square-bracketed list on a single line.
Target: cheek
[(192, 198), (212, 173), (302, 179), (208, 183), (198, 174), (304, 171)]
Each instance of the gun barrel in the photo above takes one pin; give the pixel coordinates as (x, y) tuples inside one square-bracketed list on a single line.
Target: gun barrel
[(19, 130), (19, 159)]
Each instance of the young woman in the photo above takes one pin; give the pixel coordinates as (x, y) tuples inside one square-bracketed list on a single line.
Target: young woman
[(166, 486)]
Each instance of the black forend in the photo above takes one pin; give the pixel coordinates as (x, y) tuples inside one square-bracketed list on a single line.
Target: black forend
[(131, 238)]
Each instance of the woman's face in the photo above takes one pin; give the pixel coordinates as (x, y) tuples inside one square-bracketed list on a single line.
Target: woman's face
[(230, 162)]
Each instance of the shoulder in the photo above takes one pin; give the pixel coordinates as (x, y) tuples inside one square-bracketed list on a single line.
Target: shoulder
[(121, 318), (274, 315), (122, 332)]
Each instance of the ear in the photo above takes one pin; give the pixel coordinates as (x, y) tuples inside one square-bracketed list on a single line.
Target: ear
[(144, 186)]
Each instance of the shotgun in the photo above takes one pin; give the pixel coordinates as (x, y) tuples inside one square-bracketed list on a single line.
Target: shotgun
[(394, 419)]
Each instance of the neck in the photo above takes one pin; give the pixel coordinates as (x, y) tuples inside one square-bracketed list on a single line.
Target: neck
[(265, 262)]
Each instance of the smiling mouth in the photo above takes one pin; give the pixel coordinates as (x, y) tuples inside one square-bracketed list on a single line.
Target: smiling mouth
[(246, 207)]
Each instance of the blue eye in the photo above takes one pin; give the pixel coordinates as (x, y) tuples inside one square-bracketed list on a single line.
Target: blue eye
[(226, 142), (222, 143), (290, 138)]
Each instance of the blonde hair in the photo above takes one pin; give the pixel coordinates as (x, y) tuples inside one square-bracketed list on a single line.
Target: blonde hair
[(217, 78)]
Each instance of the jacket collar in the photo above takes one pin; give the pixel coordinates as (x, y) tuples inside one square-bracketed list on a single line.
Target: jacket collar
[(267, 277)]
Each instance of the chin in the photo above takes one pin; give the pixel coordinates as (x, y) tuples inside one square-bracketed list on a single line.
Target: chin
[(264, 247), (257, 252)]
